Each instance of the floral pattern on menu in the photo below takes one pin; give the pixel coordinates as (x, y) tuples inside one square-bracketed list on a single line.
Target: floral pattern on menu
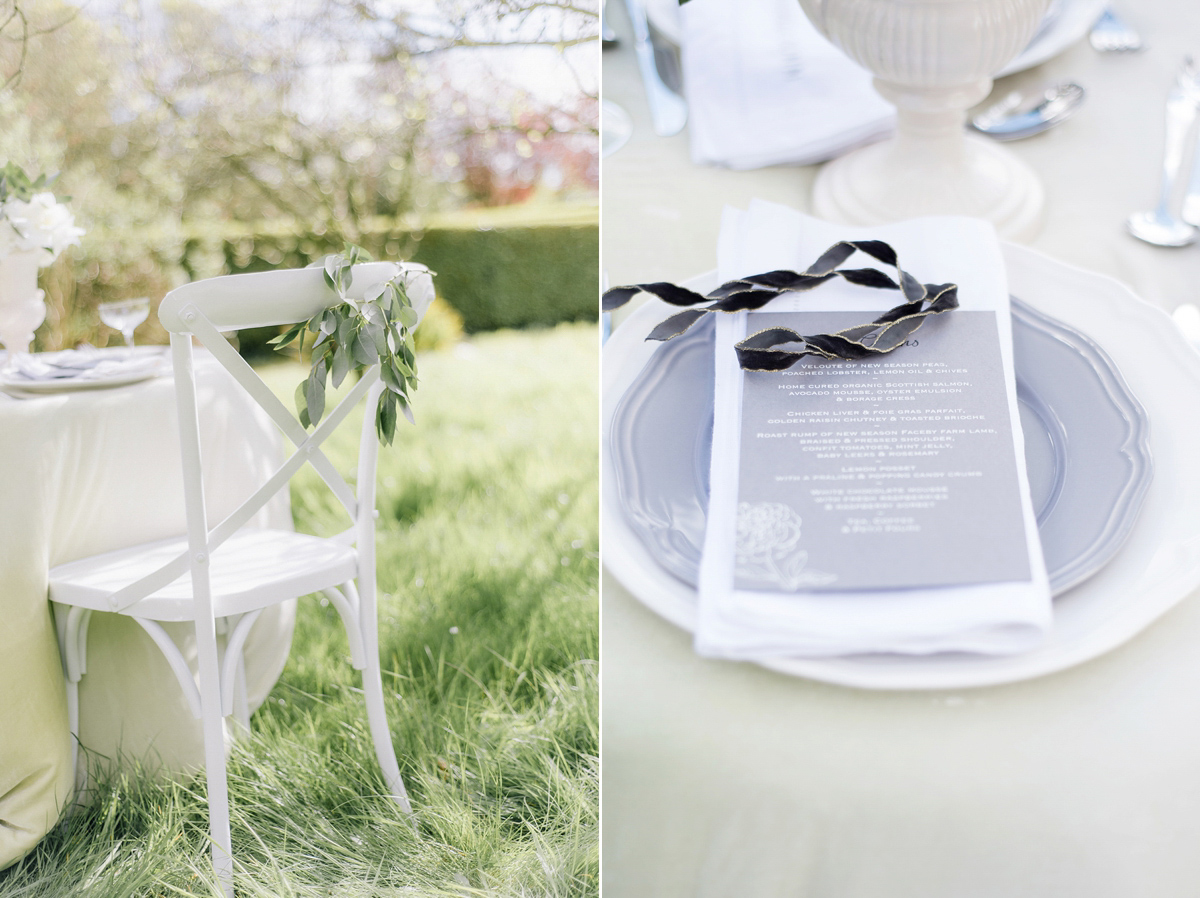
[(768, 549)]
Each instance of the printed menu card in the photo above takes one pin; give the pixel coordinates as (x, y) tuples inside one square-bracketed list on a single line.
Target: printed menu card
[(887, 462), (876, 505)]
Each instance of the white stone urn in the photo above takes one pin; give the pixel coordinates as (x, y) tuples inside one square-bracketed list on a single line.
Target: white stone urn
[(933, 59), (21, 306)]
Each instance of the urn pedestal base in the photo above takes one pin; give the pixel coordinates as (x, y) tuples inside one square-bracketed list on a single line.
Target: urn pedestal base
[(21, 306), (933, 60), (881, 183)]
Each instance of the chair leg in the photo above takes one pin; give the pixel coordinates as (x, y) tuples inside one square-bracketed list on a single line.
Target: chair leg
[(241, 704), (70, 625), (372, 679), (214, 753), (80, 775), (233, 670)]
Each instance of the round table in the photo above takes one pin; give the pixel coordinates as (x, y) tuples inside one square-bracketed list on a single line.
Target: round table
[(92, 471), (724, 779)]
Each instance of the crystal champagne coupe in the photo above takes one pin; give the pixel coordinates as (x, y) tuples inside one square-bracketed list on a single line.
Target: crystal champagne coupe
[(125, 315)]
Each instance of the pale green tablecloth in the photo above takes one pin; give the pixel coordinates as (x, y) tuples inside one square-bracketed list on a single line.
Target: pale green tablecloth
[(89, 472)]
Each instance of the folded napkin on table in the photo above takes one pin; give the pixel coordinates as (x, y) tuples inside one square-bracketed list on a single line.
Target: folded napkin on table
[(85, 364), (992, 618), (764, 88)]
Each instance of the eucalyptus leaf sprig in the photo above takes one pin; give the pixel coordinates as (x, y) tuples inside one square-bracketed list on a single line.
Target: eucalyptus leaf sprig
[(355, 334)]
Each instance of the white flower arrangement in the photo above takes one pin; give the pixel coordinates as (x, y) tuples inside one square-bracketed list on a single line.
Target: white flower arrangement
[(31, 219)]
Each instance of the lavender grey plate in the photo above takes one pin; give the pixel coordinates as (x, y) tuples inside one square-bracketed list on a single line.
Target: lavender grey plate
[(1086, 448)]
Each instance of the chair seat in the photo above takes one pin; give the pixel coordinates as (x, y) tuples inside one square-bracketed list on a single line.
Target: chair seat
[(252, 569)]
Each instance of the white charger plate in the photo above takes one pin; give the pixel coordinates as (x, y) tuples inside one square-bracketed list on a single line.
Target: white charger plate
[(142, 370), (1158, 566)]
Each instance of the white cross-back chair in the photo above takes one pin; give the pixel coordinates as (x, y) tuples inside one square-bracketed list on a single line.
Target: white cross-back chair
[(225, 574)]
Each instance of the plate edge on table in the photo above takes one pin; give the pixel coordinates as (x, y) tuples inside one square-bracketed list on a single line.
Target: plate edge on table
[(1136, 448), (50, 387)]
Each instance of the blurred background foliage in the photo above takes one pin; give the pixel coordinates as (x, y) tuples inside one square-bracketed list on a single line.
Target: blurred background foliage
[(203, 137)]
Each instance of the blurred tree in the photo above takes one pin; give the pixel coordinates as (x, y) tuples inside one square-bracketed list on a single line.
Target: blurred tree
[(172, 119), (194, 114), (256, 125), (502, 137), (409, 28), (313, 111), (16, 29), (14, 39)]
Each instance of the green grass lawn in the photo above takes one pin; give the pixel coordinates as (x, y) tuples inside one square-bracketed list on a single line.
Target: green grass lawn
[(488, 572)]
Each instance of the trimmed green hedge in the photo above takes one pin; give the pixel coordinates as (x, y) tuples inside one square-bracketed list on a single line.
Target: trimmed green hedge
[(497, 270), (516, 276), (510, 267)]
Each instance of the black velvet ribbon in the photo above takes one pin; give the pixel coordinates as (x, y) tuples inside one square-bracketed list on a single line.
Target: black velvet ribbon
[(764, 351)]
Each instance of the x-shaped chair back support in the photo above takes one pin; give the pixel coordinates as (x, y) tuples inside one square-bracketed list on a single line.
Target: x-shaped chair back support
[(204, 309)]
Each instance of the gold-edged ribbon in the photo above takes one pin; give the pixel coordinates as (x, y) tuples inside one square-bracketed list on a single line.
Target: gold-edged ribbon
[(763, 351)]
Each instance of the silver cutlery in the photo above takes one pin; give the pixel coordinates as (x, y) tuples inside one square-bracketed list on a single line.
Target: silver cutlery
[(608, 37), (668, 110), (1023, 115), (1190, 210), (1111, 35), (1162, 226)]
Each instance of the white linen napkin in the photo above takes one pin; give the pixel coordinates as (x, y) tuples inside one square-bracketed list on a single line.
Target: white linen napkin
[(86, 364), (764, 88), (991, 618)]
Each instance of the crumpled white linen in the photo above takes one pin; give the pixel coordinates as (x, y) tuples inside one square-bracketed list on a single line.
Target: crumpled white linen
[(991, 618), (764, 88), (85, 364)]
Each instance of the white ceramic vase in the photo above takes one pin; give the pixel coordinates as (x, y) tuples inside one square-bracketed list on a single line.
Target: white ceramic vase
[(933, 59), (21, 306)]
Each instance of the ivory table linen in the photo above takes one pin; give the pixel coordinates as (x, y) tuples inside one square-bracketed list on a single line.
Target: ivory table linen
[(88, 472)]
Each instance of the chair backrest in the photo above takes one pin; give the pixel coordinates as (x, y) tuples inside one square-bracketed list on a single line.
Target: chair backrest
[(264, 298), (203, 309)]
